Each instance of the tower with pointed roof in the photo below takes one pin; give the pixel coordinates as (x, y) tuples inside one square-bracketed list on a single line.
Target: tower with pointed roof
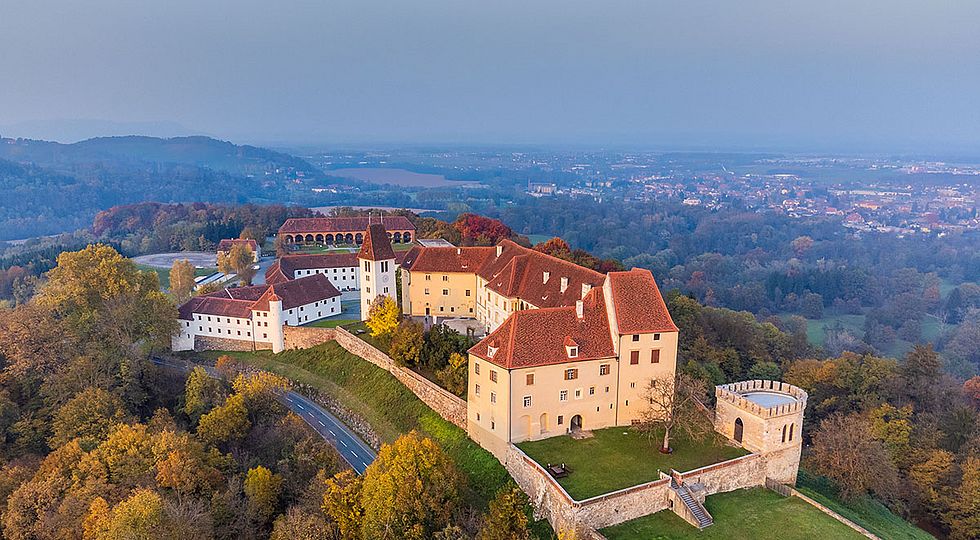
[(377, 267)]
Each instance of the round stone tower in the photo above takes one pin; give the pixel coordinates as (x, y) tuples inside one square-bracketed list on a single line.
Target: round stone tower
[(764, 417)]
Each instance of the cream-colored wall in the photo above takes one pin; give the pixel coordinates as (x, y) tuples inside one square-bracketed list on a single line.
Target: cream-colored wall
[(633, 379), (488, 419), (455, 304), (598, 409)]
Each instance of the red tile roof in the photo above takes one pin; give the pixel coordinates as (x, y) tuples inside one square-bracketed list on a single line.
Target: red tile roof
[(376, 246), (537, 337), (638, 304), (447, 259), (517, 272), (240, 301), (343, 224), (227, 243)]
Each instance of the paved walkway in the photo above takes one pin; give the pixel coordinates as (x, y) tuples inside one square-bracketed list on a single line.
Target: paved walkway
[(354, 450)]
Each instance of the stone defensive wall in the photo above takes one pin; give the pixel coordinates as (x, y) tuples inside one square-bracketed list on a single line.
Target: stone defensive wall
[(448, 405), (732, 393), (553, 503)]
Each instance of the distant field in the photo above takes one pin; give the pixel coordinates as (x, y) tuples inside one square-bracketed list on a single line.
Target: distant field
[(815, 330), (538, 238), (398, 177), (746, 514)]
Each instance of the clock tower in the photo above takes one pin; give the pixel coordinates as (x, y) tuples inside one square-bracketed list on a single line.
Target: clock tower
[(377, 267)]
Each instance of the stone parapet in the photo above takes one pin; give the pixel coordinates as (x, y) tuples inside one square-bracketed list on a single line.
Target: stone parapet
[(733, 394)]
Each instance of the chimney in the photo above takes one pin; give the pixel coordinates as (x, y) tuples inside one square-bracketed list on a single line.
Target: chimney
[(546, 275), (585, 289), (579, 309), (564, 284), (500, 250)]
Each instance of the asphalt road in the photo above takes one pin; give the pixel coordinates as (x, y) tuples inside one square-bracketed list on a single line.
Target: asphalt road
[(355, 451)]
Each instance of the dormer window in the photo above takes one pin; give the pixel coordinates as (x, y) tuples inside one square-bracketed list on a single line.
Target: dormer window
[(491, 351), (572, 351), (545, 276)]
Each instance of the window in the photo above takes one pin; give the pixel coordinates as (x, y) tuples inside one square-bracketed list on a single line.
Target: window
[(636, 337), (578, 393), (445, 292), (561, 419), (493, 397), (384, 266), (476, 368), (634, 357), (604, 369), (476, 389), (563, 396), (655, 356), (571, 374), (784, 433), (656, 337), (427, 292), (428, 277), (527, 401), (445, 278), (607, 389), (791, 432), (530, 379), (493, 375), (467, 292), (573, 352), (592, 390), (492, 424)]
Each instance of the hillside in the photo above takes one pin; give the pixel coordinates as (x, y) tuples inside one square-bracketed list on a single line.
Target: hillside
[(55, 187)]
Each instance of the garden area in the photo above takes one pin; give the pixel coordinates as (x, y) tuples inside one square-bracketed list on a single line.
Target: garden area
[(617, 458), (745, 514)]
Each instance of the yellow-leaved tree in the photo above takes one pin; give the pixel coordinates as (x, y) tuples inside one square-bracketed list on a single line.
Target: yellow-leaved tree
[(384, 316), (239, 260), (182, 280), (410, 491)]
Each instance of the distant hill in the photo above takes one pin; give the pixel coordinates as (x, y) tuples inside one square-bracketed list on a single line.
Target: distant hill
[(197, 151), (50, 187)]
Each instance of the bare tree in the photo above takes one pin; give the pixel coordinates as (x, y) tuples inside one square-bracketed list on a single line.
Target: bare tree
[(676, 403)]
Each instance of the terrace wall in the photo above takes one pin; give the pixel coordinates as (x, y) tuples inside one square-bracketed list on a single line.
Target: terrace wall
[(207, 343)]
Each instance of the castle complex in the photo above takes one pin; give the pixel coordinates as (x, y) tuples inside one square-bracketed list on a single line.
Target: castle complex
[(563, 349)]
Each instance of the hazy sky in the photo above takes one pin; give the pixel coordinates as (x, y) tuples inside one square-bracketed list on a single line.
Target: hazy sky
[(826, 74)]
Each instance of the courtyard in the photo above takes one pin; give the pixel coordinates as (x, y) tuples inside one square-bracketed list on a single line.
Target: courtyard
[(621, 457)]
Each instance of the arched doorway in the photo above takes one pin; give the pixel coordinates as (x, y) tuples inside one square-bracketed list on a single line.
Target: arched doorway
[(329, 238), (407, 237), (739, 427), (289, 239), (543, 422), (576, 424), (398, 238), (526, 424), (309, 239), (348, 238), (319, 239), (359, 239)]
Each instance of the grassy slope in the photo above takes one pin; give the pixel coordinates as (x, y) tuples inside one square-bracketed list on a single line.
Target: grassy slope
[(749, 514), (331, 323), (627, 456), (868, 513)]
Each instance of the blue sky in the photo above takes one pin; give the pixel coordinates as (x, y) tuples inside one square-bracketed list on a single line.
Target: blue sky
[(830, 75)]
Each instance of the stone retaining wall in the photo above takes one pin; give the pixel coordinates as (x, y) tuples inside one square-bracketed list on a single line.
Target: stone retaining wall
[(448, 405), (205, 343)]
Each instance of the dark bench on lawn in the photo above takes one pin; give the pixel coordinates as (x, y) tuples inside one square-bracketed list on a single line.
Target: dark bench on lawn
[(558, 471)]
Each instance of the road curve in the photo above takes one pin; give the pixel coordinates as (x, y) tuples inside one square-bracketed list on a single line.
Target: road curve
[(354, 450)]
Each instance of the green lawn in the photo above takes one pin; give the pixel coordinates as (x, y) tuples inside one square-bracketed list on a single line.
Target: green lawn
[(855, 324), (389, 407), (331, 322), (164, 273), (381, 344), (746, 514), (867, 512), (617, 458)]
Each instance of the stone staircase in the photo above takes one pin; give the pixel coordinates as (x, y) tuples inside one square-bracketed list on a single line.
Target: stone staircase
[(695, 509)]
